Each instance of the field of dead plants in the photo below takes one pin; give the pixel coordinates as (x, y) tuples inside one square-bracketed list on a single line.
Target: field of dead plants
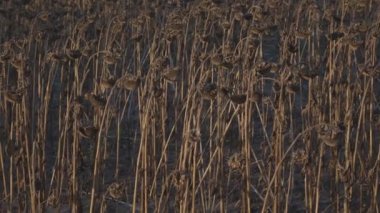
[(189, 106)]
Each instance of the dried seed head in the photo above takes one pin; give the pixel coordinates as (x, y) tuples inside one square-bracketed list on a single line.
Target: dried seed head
[(344, 173), (292, 88), (78, 107), (52, 200), (306, 74), (160, 63), (6, 56), (217, 59), (292, 47), (88, 131), (276, 87), (171, 74), (157, 90), (58, 57), (194, 136), (302, 34), (263, 68), (14, 96), (11, 148), (116, 190), (128, 82), (74, 54), (227, 65), (299, 157), (238, 98), (106, 83), (137, 37), (96, 101), (208, 91), (366, 70), (329, 134), (355, 43), (257, 29), (236, 161), (44, 16), (18, 62), (335, 36), (256, 97), (248, 16), (179, 178), (225, 92), (110, 58), (226, 24)]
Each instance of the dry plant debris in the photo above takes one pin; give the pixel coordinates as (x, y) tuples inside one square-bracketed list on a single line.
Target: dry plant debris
[(189, 106)]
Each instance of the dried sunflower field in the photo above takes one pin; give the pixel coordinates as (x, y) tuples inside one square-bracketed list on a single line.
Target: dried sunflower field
[(189, 106)]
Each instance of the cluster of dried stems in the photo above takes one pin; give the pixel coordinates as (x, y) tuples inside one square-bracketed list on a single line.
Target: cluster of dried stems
[(189, 106)]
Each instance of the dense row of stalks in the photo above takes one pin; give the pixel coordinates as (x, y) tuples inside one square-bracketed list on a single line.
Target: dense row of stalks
[(189, 106)]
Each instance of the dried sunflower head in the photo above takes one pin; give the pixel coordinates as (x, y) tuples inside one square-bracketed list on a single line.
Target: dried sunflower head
[(330, 134), (106, 83), (128, 82), (116, 190), (208, 91), (96, 101), (238, 98), (236, 161), (171, 74), (88, 131)]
